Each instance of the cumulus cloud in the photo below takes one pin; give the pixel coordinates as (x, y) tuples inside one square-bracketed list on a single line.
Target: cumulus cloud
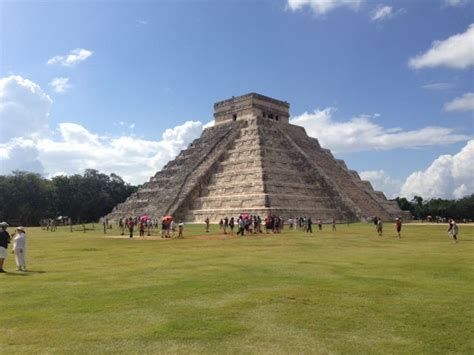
[(74, 57), (382, 181), (60, 85), (77, 149), (449, 176), (135, 159), (29, 144), (381, 13), (24, 108), (463, 103), (19, 154), (362, 134), (321, 7), (456, 52)]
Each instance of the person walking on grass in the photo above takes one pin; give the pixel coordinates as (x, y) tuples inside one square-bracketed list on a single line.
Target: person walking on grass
[(320, 225), (226, 224), (131, 224), (19, 248), (241, 226), (122, 226), (207, 224), (333, 224), (453, 231), (181, 230), (309, 228), (173, 228), (4, 241), (379, 227), (231, 225), (398, 226)]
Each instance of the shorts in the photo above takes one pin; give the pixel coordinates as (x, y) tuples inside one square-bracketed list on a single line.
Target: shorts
[(3, 253)]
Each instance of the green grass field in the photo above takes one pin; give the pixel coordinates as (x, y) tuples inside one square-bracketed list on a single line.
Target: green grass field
[(330, 292)]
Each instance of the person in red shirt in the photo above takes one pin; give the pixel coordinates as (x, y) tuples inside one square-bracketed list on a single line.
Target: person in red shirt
[(131, 224), (398, 226)]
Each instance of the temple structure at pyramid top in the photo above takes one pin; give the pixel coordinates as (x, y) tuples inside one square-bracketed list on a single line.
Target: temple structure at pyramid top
[(251, 106), (254, 161)]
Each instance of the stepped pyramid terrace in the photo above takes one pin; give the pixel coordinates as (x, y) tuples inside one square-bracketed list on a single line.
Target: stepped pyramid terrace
[(253, 160)]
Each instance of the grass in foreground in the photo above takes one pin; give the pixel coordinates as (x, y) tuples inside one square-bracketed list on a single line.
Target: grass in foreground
[(342, 292)]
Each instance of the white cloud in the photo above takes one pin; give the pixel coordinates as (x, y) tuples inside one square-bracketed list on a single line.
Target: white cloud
[(455, 3), (60, 85), (321, 7), (209, 124), (463, 103), (74, 57), (362, 134), (455, 52), (438, 86), (382, 181), (77, 149), (28, 143), (449, 176), (19, 154), (381, 13), (142, 22), (135, 159), (24, 108)]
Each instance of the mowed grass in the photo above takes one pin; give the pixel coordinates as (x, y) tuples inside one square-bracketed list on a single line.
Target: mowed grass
[(330, 292)]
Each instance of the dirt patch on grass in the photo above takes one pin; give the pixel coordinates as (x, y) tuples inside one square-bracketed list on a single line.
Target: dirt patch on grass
[(134, 237), (201, 237)]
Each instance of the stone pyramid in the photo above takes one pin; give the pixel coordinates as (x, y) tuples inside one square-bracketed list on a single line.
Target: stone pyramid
[(254, 161)]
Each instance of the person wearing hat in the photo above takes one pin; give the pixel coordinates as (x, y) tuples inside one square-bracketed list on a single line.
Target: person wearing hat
[(19, 248), (4, 240)]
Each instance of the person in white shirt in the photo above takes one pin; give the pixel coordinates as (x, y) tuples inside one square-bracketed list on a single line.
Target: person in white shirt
[(19, 248)]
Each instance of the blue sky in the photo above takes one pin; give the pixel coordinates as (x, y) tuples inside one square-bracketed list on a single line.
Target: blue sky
[(157, 65)]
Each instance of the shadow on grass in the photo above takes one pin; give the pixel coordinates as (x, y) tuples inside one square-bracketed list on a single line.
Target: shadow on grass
[(24, 273), (11, 273)]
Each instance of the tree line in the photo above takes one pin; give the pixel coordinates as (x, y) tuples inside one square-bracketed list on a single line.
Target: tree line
[(420, 209), (26, 198)]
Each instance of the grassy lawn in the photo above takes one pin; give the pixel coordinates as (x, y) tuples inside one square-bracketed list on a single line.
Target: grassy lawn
[(330, 292)]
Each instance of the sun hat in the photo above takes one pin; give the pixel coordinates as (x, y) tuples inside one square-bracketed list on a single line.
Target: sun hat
[(20, 229), (3, 224)]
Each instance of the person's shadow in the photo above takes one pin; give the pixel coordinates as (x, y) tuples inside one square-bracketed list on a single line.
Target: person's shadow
[(24, 273)]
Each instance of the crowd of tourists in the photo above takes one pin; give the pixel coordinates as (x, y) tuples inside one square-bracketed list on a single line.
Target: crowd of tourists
[(145, 224), (250, 224)]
